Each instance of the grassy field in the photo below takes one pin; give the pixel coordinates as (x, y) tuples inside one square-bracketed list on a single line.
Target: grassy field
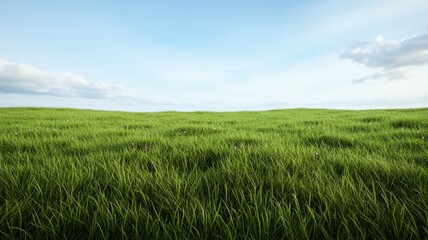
[(286, 174)]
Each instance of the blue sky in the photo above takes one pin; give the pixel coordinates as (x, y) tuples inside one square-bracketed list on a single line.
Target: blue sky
[(215, 56)]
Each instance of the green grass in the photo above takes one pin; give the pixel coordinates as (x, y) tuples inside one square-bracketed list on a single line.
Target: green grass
[(288, 174)]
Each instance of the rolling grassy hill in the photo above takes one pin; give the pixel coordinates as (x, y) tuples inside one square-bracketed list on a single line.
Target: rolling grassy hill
[(286, 174)]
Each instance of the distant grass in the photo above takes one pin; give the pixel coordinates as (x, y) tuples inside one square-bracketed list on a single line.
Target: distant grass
[(291, 174)]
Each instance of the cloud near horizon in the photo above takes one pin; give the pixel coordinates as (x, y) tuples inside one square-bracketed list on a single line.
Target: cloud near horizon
[(24, 79), (389, 55)]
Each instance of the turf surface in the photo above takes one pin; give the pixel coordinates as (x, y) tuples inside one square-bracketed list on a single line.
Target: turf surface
[(286, 174)]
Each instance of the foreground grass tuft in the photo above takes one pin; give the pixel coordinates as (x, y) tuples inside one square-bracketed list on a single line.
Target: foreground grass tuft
[(287, 174)]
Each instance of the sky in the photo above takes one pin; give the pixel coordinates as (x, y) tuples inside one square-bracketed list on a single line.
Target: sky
[(214, 55)]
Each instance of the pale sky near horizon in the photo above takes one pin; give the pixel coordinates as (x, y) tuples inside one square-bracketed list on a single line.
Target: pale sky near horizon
[(214, 55)]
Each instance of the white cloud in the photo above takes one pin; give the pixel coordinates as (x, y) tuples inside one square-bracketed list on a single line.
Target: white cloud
[(392, 56), (25, 79), (388, 76)]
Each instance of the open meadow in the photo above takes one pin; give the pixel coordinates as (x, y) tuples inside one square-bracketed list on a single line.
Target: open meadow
[(283, 174)]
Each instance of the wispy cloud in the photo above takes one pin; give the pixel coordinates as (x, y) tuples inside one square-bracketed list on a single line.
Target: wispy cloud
[(389, 55), (387, 75), (25, 79)]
